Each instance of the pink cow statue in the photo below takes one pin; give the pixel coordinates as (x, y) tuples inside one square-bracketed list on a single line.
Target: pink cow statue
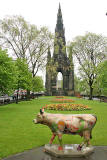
[(59, 124)]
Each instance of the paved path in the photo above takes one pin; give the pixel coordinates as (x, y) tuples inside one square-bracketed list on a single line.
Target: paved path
[(100, 153)]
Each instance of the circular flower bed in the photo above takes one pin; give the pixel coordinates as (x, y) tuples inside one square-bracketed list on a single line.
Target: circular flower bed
[(67, 107), (60, 97), (62, 100)]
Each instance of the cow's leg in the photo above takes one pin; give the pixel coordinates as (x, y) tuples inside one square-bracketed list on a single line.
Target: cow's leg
[(86, 135), (52, 138), (80, 146), (60, 141)]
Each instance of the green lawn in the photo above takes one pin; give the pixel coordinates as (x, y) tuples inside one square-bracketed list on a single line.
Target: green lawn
[(18, 133)]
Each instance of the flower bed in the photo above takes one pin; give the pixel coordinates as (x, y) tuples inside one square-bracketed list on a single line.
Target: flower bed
[(60, 97), (67, 107), (63, 100)]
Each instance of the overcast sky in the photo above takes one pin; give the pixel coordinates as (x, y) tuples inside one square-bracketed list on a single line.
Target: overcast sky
[(79, 16)]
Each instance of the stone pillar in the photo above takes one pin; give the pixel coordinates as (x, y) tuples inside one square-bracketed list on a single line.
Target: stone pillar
[(53, 85), (71, 83), (48, 84), (66, 83)]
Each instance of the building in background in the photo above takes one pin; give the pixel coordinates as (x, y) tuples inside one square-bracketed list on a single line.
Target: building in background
[(59, 62)]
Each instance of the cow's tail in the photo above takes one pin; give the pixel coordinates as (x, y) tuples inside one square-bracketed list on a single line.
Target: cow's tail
[(90, 135), (93, 126), (95, 118)]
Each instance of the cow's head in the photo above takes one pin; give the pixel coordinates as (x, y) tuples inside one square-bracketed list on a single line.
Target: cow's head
[(40, 117)]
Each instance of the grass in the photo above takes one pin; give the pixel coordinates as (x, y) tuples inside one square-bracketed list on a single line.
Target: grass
[(18, 133)]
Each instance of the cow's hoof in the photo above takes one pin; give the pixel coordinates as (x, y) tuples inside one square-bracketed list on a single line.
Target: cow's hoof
[(79, 148), (60, 148), (44, 150)]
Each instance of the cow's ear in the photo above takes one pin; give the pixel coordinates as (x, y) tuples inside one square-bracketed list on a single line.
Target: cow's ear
[(41, 111)]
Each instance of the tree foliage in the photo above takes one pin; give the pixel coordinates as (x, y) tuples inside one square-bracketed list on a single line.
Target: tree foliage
[(81, 86), (90, 50), (101, 82), (7, 73), (37, 84), (23, 75), (25, 41)]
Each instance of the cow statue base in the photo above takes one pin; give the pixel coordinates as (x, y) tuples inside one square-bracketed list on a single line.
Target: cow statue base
[(69, 150)]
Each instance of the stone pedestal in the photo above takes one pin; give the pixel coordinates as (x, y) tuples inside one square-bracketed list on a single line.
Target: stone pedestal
[(68, 150)]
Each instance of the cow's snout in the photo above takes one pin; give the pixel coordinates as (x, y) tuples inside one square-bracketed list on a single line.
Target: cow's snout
[(34, 121)]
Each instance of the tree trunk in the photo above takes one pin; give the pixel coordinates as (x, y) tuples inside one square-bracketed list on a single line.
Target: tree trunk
[(17, 96), (28, 95), (91, 93)]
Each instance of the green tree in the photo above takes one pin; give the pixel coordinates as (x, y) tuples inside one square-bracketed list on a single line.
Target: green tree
[(81, 86), (90, 50), (23, 76), (101, 82), (37, 84), (7, 73), (25, 41)]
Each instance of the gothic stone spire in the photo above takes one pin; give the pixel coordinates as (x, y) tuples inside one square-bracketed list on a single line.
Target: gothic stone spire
[(59, 63), (59, 30), (59, 43)]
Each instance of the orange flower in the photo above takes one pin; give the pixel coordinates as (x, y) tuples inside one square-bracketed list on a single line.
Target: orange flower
[(67, 107)]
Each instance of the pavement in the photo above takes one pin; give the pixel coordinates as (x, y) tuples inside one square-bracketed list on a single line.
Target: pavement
[(100, 153)]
